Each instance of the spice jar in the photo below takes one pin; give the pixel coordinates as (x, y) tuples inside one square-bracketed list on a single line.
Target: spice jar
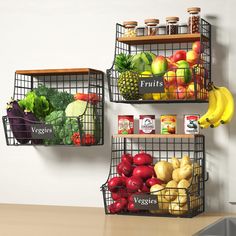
[(140, 31), (194, 20), (130, 28), (172, 25), (151, 27)]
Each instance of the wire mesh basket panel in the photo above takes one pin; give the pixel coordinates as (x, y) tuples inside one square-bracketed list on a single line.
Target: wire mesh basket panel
[(197, 74), (186, 199), (60, 88)]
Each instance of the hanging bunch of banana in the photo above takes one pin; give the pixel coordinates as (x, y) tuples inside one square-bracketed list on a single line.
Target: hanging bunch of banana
[(220, 108)]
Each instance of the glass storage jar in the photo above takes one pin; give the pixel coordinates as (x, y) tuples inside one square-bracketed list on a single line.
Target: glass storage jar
[(140, 30), (130, 28), (151, 27), (194, 20), (172, 24)]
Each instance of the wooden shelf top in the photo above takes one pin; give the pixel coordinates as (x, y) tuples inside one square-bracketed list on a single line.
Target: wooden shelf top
[(177, 38), (154, 135), (58, 71)]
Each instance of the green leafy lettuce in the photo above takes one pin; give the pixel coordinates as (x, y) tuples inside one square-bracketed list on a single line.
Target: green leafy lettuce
[(39, 105)]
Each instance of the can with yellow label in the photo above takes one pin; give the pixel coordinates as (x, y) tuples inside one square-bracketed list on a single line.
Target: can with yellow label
[(168, 124)]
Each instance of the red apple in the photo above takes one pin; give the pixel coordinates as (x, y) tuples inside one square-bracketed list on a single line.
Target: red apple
[(143, 172), (142, 159), (171, 92), (124, 169), (192, 57), (118, 205), (153, 181), (127, 157), (179, 55), (180, 92), (133, 184), (121, 193), (191, 90), (197, 47), (131, 207), (171, 64), (145, 189), (115, 183), (169, 78)]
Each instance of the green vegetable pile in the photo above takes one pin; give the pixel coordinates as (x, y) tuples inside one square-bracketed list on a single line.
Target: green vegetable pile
[(60, 110), (58, 100)]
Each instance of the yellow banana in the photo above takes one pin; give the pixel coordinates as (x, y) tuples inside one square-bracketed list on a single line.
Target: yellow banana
[(205, 125), (229, 108), (220, 106), (211, 108), (216, 124)]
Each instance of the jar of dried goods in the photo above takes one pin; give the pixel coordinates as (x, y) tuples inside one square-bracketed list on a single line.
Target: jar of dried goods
[(151, 27), (130, 28), (140, 30), (172, 24), (194, 20)]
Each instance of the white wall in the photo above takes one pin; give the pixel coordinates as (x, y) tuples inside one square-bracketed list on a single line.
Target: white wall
[(76, 33)]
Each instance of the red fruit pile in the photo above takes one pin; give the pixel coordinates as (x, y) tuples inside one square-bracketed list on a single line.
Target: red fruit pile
[(186, 73), (87, 139), (136, 176)]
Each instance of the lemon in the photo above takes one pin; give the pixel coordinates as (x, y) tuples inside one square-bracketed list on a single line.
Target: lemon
[(160, 96)]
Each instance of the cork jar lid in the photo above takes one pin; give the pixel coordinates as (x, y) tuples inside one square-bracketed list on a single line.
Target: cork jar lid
[(172, 18), (130, 24), (194, 9), (151, 21)]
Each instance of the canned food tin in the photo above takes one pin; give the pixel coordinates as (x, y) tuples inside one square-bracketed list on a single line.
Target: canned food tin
[(147, 124), (191, 125), (125, 124), (168, 124)]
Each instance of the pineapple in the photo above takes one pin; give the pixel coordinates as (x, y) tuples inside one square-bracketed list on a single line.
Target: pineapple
[(128, 79)]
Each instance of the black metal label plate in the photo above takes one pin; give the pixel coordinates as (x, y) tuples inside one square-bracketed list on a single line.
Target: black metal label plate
[(42, 131), (153, 84), (145, 202)]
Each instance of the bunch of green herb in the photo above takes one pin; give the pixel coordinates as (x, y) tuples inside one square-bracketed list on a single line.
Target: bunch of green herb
[(70, 127), (58, 100), (57, 120)]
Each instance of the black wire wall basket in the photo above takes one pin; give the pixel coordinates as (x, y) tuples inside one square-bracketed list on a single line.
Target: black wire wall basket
[(177, 195), (56, 107), (183, 82)]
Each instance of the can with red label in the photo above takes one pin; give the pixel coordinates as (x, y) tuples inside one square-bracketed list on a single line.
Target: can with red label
[(191, 125), (147, 124), (125, 124), (168, 124)]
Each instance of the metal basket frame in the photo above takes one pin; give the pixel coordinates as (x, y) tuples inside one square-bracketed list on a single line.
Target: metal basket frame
[(88, 82), (163, 149), (165, 49)]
